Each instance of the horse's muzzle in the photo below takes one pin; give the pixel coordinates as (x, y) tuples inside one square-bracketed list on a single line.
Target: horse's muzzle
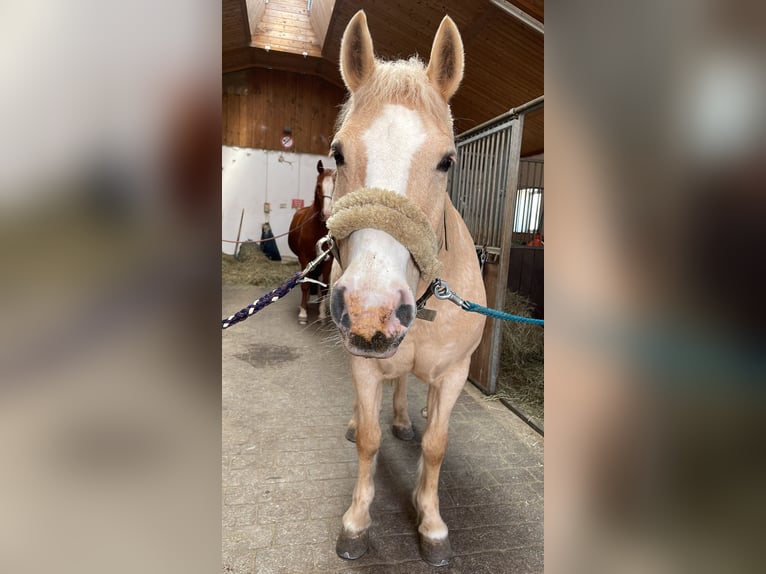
[(371, 331), (379, 347)]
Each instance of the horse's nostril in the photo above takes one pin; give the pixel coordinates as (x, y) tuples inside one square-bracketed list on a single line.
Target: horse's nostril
[(406, 314), (338, 308)]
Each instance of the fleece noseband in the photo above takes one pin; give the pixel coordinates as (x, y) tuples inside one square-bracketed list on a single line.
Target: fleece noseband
[(396, 215)]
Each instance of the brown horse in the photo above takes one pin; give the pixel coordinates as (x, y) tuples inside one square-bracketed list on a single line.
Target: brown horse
[(306, 228), (393, 149)]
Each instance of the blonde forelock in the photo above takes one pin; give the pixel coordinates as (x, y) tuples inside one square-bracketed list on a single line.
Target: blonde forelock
[(399, 82)]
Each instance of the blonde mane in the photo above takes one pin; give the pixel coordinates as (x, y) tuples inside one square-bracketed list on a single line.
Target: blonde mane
[(399, 82)]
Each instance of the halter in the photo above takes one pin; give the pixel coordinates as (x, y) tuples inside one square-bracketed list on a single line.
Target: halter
[(396, 215)]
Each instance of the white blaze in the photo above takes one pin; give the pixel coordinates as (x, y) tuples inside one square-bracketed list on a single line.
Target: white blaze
[(327, 189), (391, 141), (377, 262)]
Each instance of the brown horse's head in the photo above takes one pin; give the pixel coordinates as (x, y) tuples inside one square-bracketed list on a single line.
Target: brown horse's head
[(394, 136)]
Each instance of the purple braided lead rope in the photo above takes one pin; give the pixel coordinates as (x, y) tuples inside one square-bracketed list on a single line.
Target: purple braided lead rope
[(261, 302)]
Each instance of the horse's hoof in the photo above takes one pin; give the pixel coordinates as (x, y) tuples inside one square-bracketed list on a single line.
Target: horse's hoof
[(351, 434), (435, 552), (403, 433), (352, 547)]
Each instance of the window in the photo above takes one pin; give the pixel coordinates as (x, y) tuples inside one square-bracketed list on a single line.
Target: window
[(529, 210)]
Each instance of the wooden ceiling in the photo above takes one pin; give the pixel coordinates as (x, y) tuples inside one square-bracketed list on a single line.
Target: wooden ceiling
[(504, 58)]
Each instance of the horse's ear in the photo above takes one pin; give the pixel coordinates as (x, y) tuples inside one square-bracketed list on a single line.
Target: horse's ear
[(320, 167), (357, 59), (445, 69)]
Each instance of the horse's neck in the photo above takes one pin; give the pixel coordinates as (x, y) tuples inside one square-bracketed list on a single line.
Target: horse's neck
[(454, 237), (458, 252)]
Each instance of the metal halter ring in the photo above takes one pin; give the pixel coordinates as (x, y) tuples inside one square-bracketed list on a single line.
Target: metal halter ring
[(323, 250), (442, 291)]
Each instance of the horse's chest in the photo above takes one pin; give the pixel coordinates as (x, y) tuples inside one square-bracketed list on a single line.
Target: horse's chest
[(425, 359)]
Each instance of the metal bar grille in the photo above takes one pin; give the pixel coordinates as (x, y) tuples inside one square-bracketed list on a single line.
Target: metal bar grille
[(479, 183), (500, 197)]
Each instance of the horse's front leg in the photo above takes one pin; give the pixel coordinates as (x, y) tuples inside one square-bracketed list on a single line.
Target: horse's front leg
[(354, 538), (322, 304), (442, 394), (402, 426), (326, 266), (303, 315)]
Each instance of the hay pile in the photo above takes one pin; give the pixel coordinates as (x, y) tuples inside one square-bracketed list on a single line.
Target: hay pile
[(522, 378), (252, 267)]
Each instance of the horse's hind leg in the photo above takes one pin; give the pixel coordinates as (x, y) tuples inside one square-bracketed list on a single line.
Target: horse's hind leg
[(434, 541), (402, 426)]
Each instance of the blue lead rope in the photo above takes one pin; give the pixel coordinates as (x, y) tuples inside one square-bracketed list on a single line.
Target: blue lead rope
[(495, 314), (441, 290)]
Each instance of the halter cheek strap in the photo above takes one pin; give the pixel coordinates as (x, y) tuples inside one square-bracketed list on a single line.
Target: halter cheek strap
[(396, 215)]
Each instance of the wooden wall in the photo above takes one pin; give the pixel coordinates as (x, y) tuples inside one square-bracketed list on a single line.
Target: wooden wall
[(257, 104), (525, 276)]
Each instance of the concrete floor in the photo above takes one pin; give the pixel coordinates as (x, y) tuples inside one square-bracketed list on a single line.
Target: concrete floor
[(288, 472)]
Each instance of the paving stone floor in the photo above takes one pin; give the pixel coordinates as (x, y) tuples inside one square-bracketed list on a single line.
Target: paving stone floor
[(288, 472)]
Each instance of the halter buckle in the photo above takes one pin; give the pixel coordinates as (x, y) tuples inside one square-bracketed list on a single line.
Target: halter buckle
[(323, 247)]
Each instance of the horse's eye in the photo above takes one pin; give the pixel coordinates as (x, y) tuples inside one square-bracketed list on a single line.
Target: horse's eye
[(337, 155), (445, 163)]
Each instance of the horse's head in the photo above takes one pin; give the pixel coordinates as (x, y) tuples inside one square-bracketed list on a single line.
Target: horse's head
[(324, 190), (394, 138)]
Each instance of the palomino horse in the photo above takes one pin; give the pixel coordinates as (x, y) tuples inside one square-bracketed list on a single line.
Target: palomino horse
[(396, 229), (306, 228)]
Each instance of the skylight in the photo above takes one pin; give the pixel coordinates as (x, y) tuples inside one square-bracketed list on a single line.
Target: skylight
[(292, 26)]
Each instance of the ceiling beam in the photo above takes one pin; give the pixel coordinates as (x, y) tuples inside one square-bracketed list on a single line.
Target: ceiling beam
[(244, 58)]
